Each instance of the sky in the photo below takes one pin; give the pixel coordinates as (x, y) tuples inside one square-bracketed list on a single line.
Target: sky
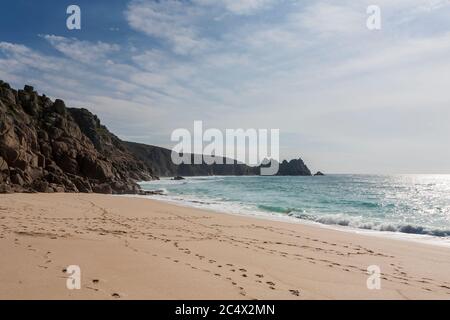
[(345, 98)]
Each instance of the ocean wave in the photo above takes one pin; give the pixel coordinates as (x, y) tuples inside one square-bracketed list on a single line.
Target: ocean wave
[(358, 223), (170, 182), (275, 209)]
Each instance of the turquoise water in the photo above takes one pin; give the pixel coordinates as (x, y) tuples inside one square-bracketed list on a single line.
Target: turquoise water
[(415, 204)]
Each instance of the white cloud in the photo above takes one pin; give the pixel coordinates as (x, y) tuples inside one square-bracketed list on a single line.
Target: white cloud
[(181, 24), (150, 59), (23, 57), (325, 19), (241, 7), (169, 20), (83, 51)]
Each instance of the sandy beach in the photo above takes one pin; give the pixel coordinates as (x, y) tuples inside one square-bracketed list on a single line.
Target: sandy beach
[(134, 248)]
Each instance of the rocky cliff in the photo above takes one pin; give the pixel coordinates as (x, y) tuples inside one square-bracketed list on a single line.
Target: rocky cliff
[(47, 147), (159, 159)]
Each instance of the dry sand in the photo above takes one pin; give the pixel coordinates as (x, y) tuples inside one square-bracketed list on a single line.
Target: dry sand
[(131, 248)]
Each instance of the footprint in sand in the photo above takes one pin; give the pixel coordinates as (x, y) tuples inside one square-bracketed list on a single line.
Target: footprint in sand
[(115, 295), (295, 292), (90, 288)]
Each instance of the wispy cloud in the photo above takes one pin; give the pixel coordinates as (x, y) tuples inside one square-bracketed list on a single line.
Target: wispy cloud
[(170, 20), (322, 19), (83, 51), (242, 7)]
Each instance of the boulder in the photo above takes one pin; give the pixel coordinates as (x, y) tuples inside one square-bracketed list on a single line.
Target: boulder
[(3, 165), (42, 186), (40, 160), (67, 164), (8, 95), (17, 179), (94, 168), (53, 168), (29, 101), (54, 178), (28, 89), (21, 163), (59, 107), (82, 185), (57, 188), (120, 187), (5, 188), (9, 154), (104, 188)]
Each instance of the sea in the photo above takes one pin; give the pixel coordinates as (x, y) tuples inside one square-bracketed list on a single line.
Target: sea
[(416, 206)]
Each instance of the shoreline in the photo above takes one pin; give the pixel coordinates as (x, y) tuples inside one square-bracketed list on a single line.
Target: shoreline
[(131, 248), (272, 216)]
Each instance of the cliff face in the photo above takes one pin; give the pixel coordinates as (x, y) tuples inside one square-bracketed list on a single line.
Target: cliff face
[(47, 147), (159, 159)]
